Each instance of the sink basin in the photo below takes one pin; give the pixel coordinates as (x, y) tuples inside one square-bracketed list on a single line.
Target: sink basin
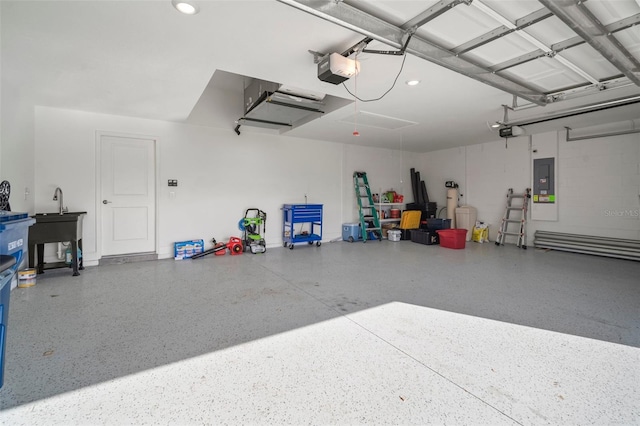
[(54, 228), (57, 217)]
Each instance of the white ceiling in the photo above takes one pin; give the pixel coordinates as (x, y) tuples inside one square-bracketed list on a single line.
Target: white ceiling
[(144, 59)]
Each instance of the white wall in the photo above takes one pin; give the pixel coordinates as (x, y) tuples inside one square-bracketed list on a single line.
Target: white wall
[(438, 167), (598, 182), (16, 156), (220, 175), (16, 140), (1, 95)]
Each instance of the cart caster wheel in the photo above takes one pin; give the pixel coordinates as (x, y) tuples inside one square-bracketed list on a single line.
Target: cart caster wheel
[(524, 247), (290, 246), (497, 243), (310, 243), (318, 244), (350, 239)]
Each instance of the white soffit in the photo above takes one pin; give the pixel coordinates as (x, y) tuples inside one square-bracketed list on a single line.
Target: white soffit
[(363, 118)]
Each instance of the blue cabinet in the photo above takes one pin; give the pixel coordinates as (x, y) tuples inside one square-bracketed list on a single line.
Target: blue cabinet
[(301, 223)]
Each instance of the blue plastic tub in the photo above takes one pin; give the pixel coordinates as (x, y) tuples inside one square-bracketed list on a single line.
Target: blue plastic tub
[(14, 240)]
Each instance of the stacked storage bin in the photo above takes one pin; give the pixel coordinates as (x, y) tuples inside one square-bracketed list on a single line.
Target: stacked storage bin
[(14, 239)]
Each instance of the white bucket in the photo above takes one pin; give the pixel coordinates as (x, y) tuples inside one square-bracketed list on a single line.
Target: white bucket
[(394, 234), (27, 278)]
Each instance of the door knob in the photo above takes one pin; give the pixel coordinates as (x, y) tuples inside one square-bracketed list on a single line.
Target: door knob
[(106, 202)]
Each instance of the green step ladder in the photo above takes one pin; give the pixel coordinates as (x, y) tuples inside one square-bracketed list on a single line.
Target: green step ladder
[(368, 213)]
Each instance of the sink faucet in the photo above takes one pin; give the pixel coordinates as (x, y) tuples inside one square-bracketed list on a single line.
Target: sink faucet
[(60, 200)]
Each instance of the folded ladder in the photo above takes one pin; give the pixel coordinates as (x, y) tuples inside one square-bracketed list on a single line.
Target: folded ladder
[(516, 216)]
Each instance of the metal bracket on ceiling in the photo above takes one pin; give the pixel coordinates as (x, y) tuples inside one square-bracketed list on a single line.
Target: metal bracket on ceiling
[(317, 56), (505, 118), (400, 52), (570, 138), (578, 17)]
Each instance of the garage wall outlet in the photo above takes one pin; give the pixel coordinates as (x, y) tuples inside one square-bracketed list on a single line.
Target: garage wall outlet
[(173, 182)]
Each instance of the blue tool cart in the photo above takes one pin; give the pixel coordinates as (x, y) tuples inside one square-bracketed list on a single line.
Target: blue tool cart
[(14, 235), (296, 216)]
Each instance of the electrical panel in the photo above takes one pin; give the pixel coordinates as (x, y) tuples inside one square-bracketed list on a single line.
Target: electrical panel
[(544, 180)]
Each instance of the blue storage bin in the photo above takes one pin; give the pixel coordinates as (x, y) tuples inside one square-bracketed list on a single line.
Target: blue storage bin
[(435, 224), (14, 240)]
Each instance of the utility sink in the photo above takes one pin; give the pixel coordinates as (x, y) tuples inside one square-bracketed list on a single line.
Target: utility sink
[(57, 217), (55, 228)]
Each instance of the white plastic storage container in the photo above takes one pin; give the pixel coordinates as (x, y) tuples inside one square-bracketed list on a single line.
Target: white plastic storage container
[(466, 217), (394, 234)]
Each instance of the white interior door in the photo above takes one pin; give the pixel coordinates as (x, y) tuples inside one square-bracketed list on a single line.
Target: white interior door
[(128, 195)]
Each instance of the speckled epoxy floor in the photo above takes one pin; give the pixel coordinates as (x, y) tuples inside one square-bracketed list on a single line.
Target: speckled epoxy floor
[(376, 333)]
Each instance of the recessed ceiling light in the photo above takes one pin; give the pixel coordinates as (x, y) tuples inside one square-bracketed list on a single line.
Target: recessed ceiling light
[(185, 6), (413, 82)]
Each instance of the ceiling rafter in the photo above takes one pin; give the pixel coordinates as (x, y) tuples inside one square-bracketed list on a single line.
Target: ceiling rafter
[(432, 13), (614, 27), (580, 19), (503, 30), (361, 22), (533, 40)]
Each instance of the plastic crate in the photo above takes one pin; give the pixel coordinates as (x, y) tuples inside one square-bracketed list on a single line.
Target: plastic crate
[(424, 237), (452, 238)]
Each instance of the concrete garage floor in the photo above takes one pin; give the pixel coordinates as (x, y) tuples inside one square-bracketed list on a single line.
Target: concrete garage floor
[(375, 333)]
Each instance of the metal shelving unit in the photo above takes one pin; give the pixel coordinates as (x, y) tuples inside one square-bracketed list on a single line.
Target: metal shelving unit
[(379, 206)]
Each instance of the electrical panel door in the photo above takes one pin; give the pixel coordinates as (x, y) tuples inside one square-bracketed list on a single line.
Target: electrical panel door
[(544, 180)]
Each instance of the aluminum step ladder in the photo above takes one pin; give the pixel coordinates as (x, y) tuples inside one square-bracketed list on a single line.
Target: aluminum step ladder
[(519, 222), (369, 220)]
